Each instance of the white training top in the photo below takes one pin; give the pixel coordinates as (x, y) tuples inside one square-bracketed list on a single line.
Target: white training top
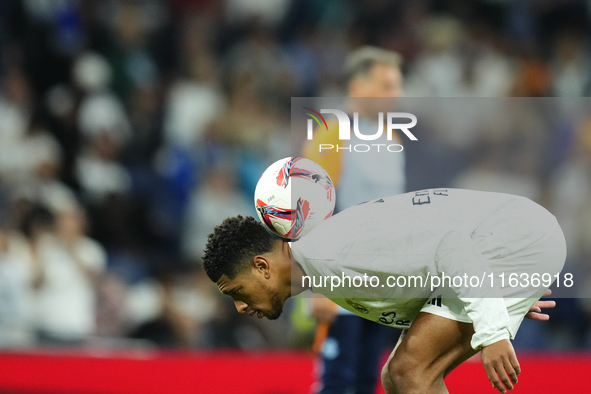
[(425, 233)]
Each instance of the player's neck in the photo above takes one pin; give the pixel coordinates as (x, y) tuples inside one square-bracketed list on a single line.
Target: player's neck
[(296, 274)]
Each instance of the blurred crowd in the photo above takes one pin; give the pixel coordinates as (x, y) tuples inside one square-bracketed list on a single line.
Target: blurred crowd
[(129, 129)]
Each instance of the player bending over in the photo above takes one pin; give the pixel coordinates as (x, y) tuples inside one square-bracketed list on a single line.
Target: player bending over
[(420, 235)]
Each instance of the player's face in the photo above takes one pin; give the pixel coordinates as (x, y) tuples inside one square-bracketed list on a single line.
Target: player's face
[(251, 296), (383, 80)]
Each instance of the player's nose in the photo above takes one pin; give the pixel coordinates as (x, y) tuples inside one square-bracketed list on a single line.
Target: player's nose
[(240, 306)]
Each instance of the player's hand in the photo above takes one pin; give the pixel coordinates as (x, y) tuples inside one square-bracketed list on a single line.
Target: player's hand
[(535, 311), (324, 310), (501, 365)]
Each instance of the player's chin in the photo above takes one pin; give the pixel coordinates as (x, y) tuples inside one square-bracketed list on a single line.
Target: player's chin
[(275, 314), (276, 308)]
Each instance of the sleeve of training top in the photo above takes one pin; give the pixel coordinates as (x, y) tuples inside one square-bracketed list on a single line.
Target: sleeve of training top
[(457, 255)]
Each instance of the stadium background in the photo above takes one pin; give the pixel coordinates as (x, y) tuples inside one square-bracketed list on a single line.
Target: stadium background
[(128, 129)]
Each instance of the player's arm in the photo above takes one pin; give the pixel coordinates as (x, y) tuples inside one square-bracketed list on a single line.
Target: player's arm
[(457, 255), (324, 310)]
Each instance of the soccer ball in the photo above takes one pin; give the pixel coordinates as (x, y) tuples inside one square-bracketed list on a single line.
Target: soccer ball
[(293, 195)]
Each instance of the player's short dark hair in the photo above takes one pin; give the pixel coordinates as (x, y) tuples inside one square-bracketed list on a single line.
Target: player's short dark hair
[(360, 62), (233, 244)]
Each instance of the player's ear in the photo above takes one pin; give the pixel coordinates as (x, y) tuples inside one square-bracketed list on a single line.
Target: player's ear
[(261, 265)]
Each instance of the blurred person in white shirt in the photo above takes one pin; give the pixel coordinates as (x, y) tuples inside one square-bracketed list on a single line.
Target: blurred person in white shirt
[(69, 265), (105, 126), (15, 306)]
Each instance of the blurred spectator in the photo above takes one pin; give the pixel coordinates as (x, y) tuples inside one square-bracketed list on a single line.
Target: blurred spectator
[(268, 12), (171, 327), (258, 65), (69, 264), (15, 112), (459, 64), (570, 188), (532, 75), (491, 174), (111, 296), (99, 172), (40, 162), (193, 103), (571, 65), (508, 154), (185, 309), (16, 327), (129, 52), (217, 199), (100, 111)]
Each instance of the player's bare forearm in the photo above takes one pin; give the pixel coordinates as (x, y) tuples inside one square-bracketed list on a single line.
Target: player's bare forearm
[(499, 359), (501, 365), (324, 310)]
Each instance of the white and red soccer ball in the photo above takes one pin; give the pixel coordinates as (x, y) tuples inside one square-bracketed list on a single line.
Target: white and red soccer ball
[(293, 195)]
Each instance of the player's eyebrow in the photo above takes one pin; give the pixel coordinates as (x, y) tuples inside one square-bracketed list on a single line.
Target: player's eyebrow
[(230, 292)]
